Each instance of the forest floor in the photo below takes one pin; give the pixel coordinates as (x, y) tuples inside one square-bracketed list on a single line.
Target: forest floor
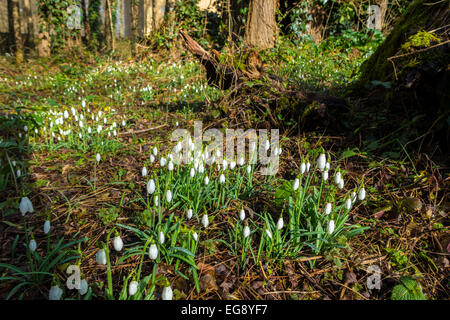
[(405, 211)]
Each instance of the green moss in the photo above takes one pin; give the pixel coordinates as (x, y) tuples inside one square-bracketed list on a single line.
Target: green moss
[(420, 40)]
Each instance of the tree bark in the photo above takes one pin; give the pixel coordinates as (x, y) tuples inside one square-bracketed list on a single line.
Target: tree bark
[(261, 25), (87, 26), (109, 31), (16, 29)]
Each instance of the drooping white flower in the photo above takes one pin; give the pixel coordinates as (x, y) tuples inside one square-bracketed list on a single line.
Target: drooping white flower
[(241, 161), (144, 171), (133, 288), (249, 169), (325, 175), (84, 287), (55, 293), (321, 162), (25, 206), (206, 180), (32, 245), (341, 184), (225, 164), (337, 178), (195, 236), (330, 227), (170, 166), (98, 157), (118, 243), (246, 231), (328, 208), (280, 223), (192, 173), (348, 204), (161, 237), (205, 220), (268, 233), (162, 162), (153, 251), (353, 196), (308, 166), (362, 194), (151, 186), (296, 184), (302, 168), (152, 158), (189, 214), (169, 196), (222, 178), (242, 214), (46, 226), (100, 256), (327, 166), (167, 293), (156, 201)]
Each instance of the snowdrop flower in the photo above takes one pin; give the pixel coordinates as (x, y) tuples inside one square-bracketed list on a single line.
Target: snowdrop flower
[(206, 180), (241, 161), (167, 293), (144, 171), (189, 214), (232, 165), (280, 223), (268, 233), (192, 173), (55, 293), (195, 236), (249, 169), (118, 243), (325, 175), (156, 201), (330, 227), (155, 151), (308, 166), (362, 194), (170, 166), (296, 184), (152, 158), (19, 173), (46, 226), (161, 237), (348, 204), (222, 178), (98, 157), (100, 256), (151, 186), (337, 178), (66, 114), (162, 162), (341, 184), (201, 168), (246, 231), (25, 206), (169, 196), (327, 166), (328, 208), (242, 214), (133, 288), (153, 251), (84, 287), (32, 245), (321, 162), (205, 220), (302, 168)]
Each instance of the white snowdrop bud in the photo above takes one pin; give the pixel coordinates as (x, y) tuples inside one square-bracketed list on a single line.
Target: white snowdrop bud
[(327, 166), (246, 231), (321, 162), (249, 169), (330, 228), (189, 214), (98, 157), (66, 114), (296, 184), (232, 165), (242, 214), (32, 245), (308, 166), (353, 197), (206, 180), (195, 236), (362, 194), (162, 162), (268, 233), (222, 178), (151, 186), (100, 256), (341, 184), (201, 168), (153, 251), (225, 164), (46, 226), (337, 178), (348, 204), (156, 201), (328, 208), (280, 223), (155, 151), (169, 196), (241, 161), (161, 237), (302, 168), (25, 206), (84, 287), (170, 166), (144, 171), (133, 288), (205, 220), (55, 293), (152, 158), (192, 173), (167, 293), (325, 175), (118, 243)]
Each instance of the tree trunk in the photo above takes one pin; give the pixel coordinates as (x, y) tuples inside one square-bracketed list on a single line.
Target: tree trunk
[(261, 25), (16, 29), (134, 23), (87, 27), (109, 31), (159, 9)]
